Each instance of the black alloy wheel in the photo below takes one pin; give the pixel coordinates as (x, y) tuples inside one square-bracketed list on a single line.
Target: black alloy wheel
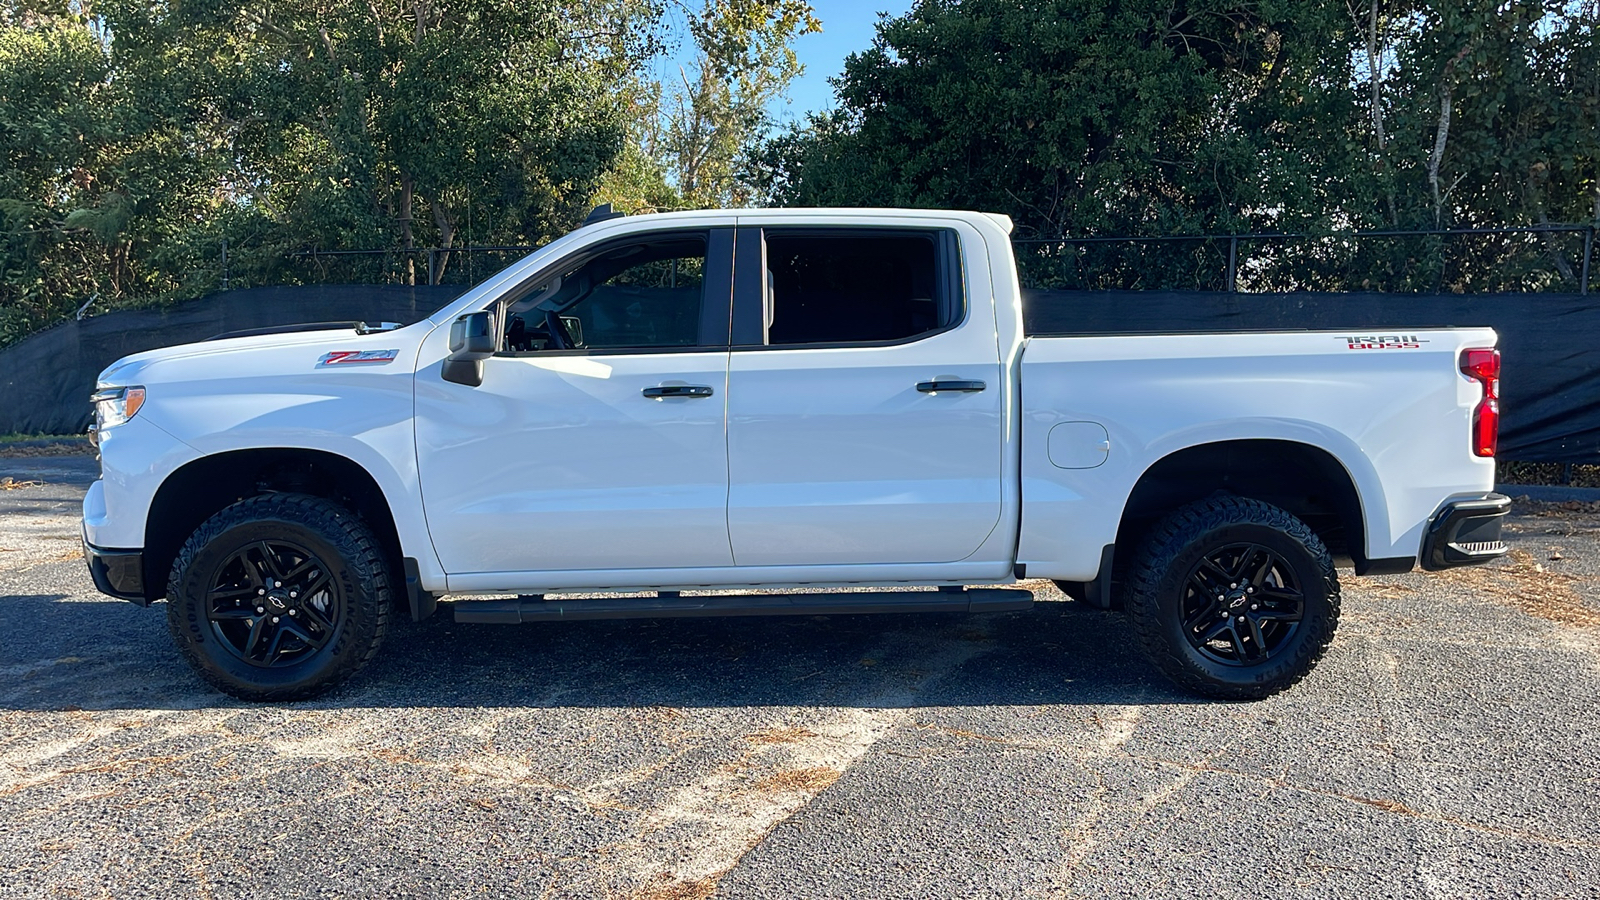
[(1233, 598), (1242, 604), (273, 603), (280, 597)]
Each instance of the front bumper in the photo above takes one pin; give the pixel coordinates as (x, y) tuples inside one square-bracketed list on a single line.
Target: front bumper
[(119, 573), (1466, 532)]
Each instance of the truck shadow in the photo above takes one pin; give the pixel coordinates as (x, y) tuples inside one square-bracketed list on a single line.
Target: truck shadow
[(68, 653)]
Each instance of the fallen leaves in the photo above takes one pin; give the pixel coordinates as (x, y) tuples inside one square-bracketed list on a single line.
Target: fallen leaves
[(1525, 584), (805, 781), (780, 735), (680, 890)]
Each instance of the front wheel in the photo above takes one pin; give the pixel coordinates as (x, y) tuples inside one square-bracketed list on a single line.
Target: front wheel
[(1234, 598), (279, 597)]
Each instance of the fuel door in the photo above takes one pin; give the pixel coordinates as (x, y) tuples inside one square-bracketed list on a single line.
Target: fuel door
[(1079, 445)]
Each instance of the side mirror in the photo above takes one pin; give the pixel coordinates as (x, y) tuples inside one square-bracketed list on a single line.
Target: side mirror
[(574, 326), (472, 340)]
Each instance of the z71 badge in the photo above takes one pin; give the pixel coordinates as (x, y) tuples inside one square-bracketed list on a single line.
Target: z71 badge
[(358, 357), (1383, 342)]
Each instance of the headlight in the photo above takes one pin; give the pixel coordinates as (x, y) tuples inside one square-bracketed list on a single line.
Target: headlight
[(113, 406)]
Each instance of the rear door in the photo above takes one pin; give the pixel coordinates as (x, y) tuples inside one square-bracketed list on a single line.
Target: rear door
[(865, 403)]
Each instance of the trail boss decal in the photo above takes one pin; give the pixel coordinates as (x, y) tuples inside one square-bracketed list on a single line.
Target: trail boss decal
[(357, 357), (1383, 342)]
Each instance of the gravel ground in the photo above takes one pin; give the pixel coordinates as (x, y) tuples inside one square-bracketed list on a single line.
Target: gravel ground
[(1444, 748)]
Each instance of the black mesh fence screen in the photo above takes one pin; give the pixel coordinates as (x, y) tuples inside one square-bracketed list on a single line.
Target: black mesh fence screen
[(45, 380), (1550, 383)]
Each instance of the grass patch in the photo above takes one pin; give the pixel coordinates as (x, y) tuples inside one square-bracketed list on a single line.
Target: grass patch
[(788, 735), (679, 890), (1512, 472), (53, 448), (52, 438), (805, 781)]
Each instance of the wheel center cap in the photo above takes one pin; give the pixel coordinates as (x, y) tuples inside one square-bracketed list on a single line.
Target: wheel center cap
[(1236, 599), (277, 601)]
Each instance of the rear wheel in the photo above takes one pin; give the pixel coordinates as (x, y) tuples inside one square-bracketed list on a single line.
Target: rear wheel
[(1234, 598), (279, 597)]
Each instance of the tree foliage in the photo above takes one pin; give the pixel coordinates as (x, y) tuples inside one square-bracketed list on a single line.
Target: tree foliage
[(57, 217), (695, 129), (136, 138), (720, 105), (1153, 117), (353, 126)]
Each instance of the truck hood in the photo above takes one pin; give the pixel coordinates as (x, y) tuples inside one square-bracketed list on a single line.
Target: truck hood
[(298, 350)]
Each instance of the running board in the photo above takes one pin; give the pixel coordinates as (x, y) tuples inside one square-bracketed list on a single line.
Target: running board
[(670, 606)]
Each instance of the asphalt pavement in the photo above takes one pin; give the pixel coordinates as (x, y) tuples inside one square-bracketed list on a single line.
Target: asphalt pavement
[(1445, 747)]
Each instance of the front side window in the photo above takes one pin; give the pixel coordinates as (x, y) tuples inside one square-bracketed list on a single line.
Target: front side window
[(644, 294), (831, 288)]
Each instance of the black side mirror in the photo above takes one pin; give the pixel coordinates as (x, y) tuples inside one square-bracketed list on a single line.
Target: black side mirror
[(574, 326), (472, 340)]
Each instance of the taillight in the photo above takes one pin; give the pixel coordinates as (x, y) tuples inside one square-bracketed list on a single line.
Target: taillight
[(1483, 366)]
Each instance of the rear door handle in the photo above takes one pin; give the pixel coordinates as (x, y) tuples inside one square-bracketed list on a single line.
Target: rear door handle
[(663, 391), (960, 387)]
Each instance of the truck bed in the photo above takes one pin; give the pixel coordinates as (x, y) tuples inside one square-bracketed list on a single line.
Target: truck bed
[(1098, 411)]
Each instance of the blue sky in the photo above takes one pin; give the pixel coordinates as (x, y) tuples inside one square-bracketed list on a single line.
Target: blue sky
[(847, 26)]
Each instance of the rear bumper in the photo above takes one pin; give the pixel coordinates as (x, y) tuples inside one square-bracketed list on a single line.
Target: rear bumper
[(1466, 532), (119, 573)]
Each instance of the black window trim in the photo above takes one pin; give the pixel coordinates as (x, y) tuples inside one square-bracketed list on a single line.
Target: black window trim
[(714, 316), (750, 266)]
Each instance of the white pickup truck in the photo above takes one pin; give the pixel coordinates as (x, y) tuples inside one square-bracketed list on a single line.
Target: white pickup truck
[(652, 414)]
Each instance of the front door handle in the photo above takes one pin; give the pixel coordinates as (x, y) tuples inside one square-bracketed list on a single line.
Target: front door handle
[(662, 391), (959, 387)]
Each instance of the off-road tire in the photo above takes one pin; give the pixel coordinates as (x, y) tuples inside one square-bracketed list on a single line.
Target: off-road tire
[(354, 562), (1158, 583)]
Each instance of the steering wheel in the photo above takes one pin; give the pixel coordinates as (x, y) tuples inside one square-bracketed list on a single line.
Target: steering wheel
[(558, 331)]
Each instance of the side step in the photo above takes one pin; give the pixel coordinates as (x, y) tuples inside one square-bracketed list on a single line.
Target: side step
[(671, 606)]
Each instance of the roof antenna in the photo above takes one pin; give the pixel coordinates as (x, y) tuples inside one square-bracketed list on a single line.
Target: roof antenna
[(601, 213)]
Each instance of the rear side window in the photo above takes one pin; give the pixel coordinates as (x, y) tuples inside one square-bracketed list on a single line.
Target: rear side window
[(863, 287)]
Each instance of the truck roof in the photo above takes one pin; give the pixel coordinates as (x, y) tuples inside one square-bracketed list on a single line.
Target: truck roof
[(599, 216)]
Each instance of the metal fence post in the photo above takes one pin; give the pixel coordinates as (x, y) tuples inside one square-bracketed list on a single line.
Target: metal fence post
[(1233, 263), (1588, 251), (433, 266), (224, 263)]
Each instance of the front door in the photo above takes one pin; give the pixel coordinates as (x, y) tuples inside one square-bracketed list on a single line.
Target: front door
[(596, 440), (865, 424)]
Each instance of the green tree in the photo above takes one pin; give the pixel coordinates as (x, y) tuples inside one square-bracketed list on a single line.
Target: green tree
[(695, 131), (718, 110), (1136, 117), (137, 138), (384, 125), (1075, 115), (54, 121), (1492, 112)]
